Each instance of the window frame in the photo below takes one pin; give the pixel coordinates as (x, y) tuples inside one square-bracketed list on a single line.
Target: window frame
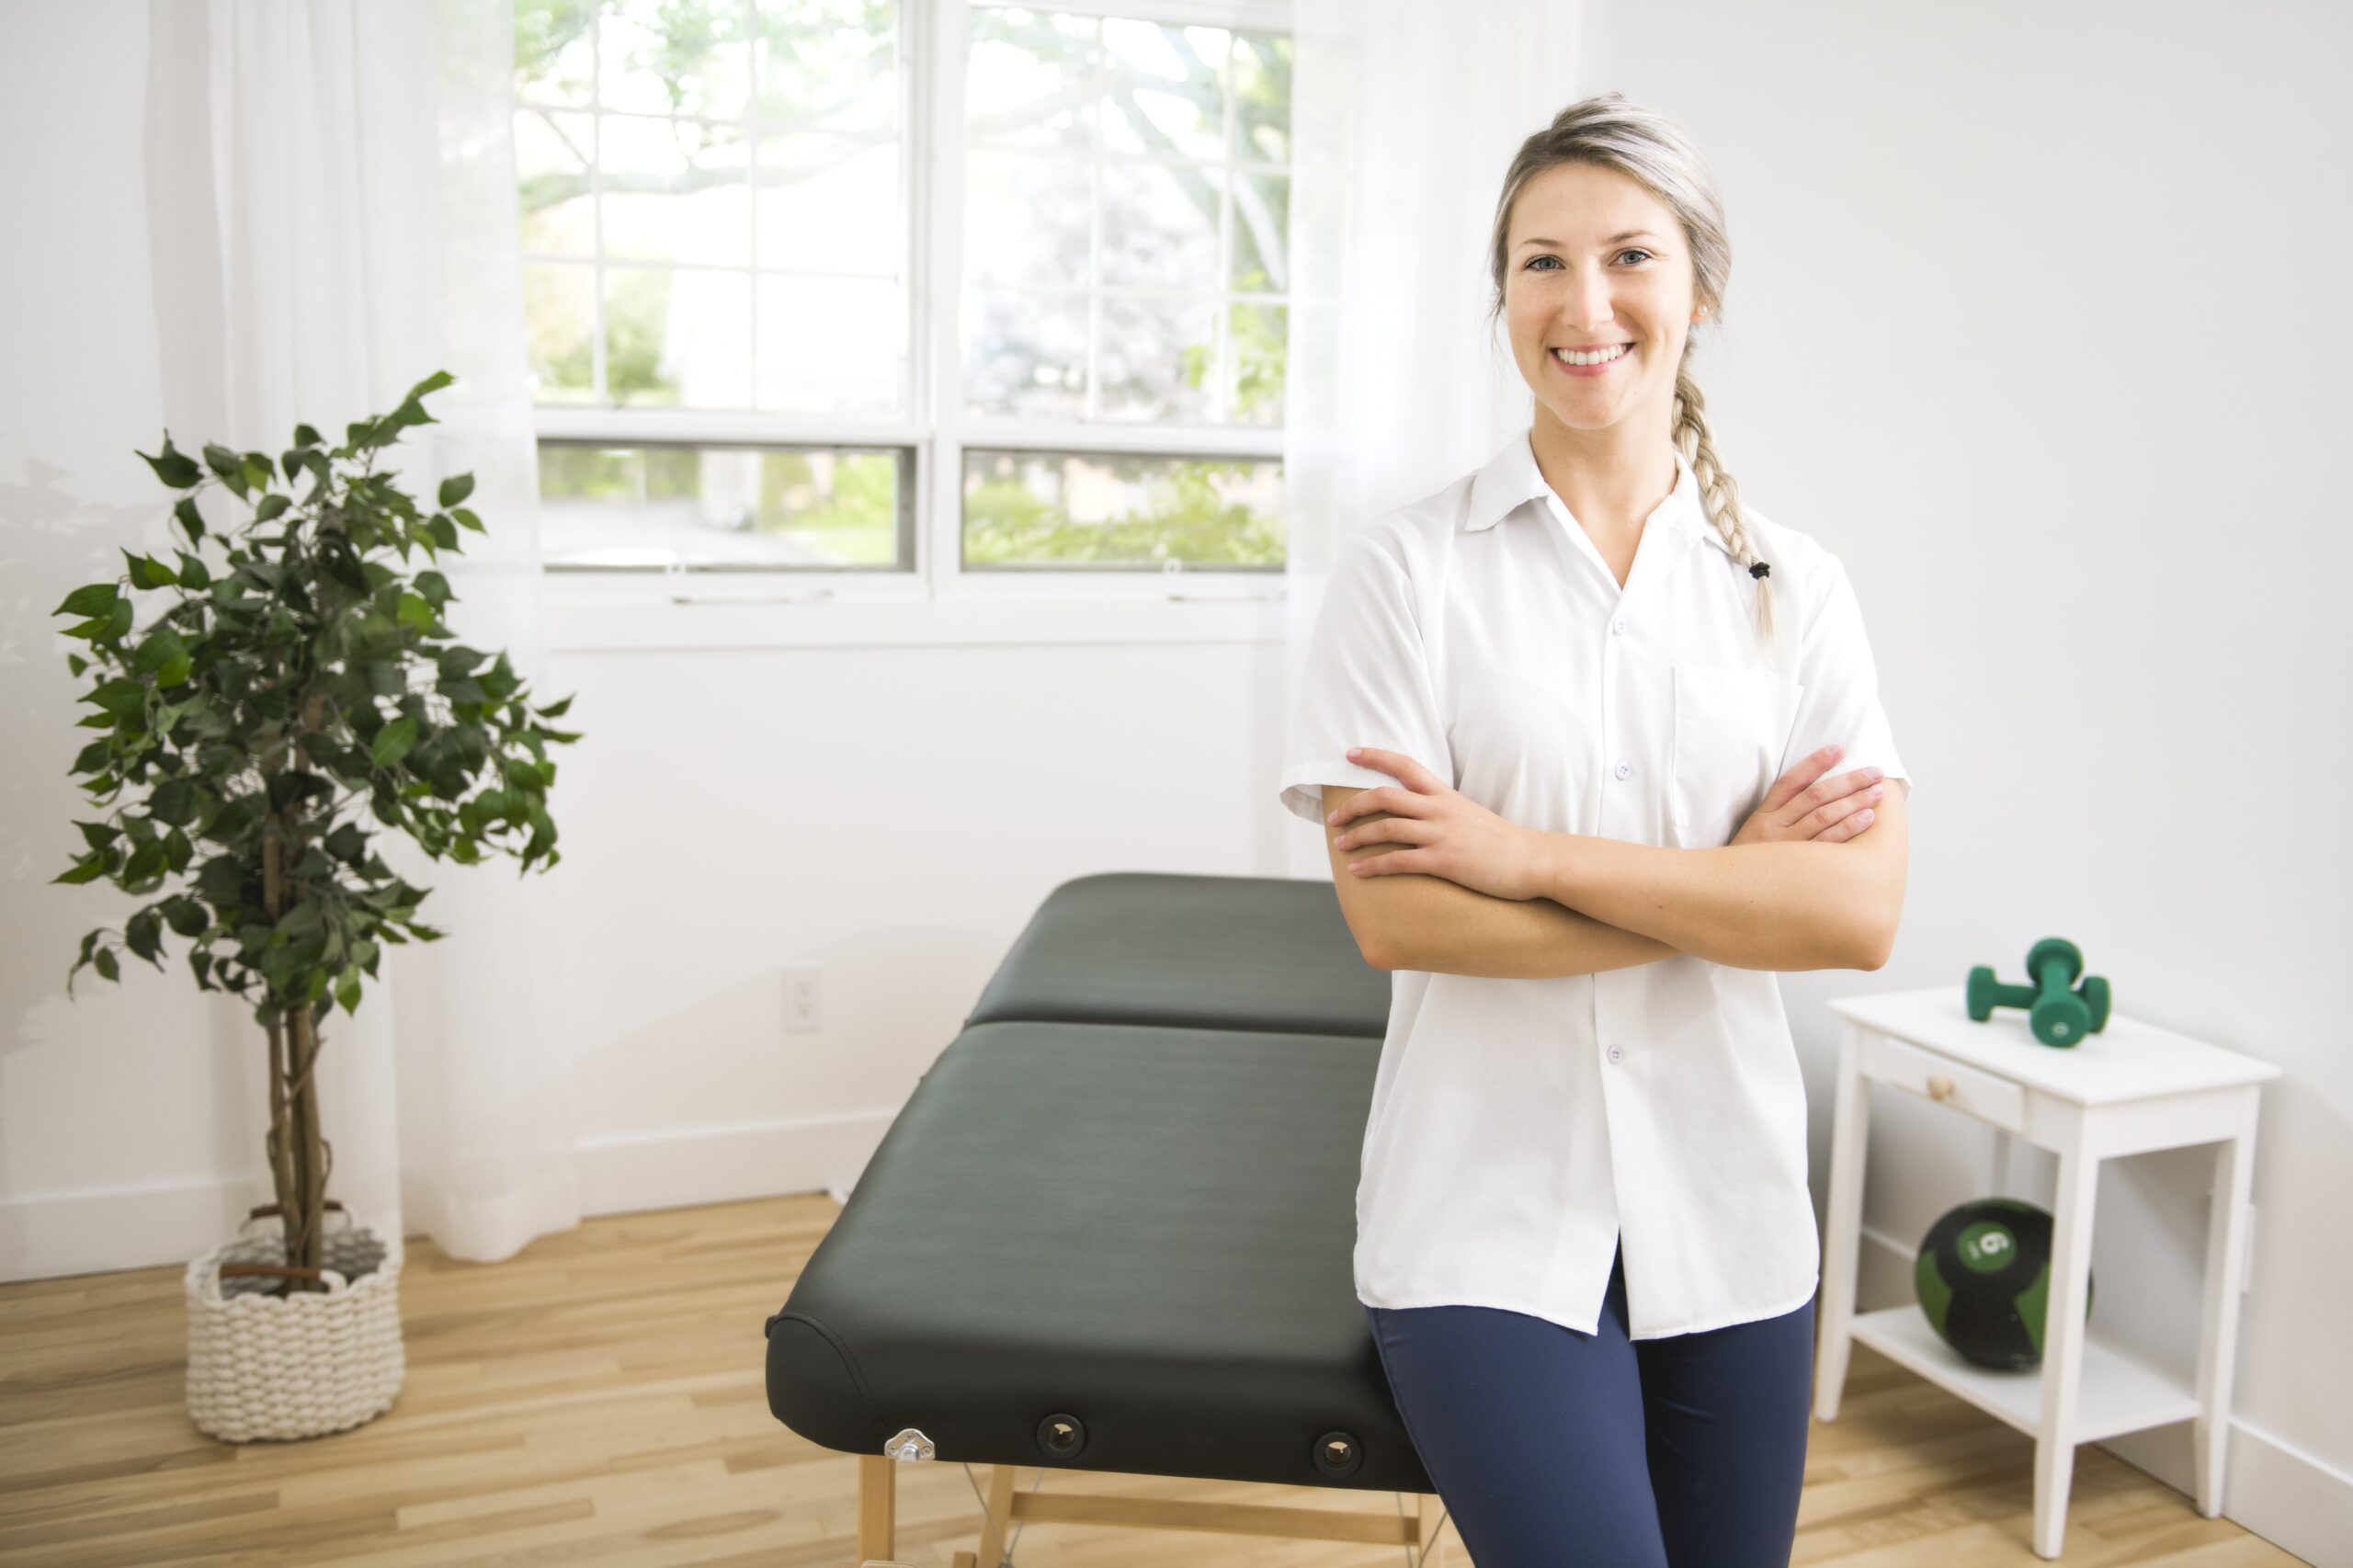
[(936, 433)]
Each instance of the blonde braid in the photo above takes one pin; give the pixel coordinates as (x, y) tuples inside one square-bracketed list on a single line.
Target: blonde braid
[(1719, 490)]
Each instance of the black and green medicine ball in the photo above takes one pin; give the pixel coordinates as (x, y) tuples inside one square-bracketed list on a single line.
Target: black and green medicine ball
[(1983, 1278)]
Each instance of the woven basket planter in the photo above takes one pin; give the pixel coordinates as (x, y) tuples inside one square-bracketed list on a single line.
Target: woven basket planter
[(300, 1365)]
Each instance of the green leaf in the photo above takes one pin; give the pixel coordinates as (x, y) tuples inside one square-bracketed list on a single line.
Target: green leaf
[(160, 647), (271, 506), (148, 573), (305, 437), (185, 915), (435, 587), (194, 574), (443, 532), (191, 520), (432, 384), (86, 868), (467, 518), (98, 835), (415, 612), (143, 934), (347, 988), (392, 742), (257, 471), (175, 468), (106, 965), (122, 696), (96, 599), (456, 488), (175, 803)]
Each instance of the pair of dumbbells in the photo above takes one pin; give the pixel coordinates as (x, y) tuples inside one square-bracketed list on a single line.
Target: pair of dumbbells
[(2057, 1015)]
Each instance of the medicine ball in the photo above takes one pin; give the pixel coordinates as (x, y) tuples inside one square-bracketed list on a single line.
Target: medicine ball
[(1983, 1279)]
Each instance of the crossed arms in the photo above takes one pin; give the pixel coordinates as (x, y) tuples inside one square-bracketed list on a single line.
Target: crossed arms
[(1782, 906)]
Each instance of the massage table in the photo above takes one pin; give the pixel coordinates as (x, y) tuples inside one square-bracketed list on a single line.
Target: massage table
[(1112, 1228)]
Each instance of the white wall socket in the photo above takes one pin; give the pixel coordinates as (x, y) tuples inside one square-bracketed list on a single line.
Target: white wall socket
[(800, 1010)]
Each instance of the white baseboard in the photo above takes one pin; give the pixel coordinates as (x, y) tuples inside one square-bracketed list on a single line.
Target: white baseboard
[(2269, 1488), (105, 1229)]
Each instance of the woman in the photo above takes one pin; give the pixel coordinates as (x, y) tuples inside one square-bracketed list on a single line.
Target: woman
[(1569, 722)]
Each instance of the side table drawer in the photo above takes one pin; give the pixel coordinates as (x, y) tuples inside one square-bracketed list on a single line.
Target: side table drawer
[(1940, 1079)]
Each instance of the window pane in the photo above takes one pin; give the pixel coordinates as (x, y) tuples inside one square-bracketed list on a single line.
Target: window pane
[(560, 313), (554, 50), (678, 336), (1036, 509), (830, 204), (1159, 358), (1160, 224), (1031, 81), (1027, 219), (677, 57), (832, 345), (552, 153), (1164, 88), (1262, 97), (1259, 336), (830, 63), (720, 506), (1024, 352), (675, 191), (1261, 232)]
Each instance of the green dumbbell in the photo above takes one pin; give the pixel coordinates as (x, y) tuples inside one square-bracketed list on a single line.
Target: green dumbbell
[(2058, 1016)]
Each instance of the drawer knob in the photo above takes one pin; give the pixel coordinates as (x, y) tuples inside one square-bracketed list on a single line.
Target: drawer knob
[(1939, 1086)]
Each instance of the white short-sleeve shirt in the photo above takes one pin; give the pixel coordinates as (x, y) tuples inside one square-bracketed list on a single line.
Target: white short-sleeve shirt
[(1522, 1130)]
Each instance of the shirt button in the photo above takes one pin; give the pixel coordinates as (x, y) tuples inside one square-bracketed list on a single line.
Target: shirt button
[(1624, 769), (1617, 1052), (1618, 627)]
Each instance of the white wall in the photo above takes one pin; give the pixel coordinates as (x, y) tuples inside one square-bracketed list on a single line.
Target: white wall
[(2104, 574), (2098, 570)]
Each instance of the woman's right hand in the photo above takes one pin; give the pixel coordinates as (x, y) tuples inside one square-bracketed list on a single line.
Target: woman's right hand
[(1802, 804)]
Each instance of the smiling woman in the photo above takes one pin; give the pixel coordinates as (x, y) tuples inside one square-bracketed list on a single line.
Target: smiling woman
[(1566, 738)]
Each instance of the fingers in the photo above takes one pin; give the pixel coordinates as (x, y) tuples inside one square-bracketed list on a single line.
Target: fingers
[(1809, 768), (1848, 815)]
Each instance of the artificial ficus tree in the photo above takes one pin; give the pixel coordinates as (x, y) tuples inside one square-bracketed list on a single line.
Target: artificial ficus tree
[(297, 685)]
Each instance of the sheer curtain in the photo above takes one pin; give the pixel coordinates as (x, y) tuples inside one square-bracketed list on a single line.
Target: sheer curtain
[(1404, 116), (332, 209)]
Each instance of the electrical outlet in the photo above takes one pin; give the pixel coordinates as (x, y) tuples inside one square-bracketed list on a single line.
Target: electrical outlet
[(800, 1012)]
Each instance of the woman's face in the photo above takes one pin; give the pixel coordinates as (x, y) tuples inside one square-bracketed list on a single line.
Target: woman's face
[(1595, 260)]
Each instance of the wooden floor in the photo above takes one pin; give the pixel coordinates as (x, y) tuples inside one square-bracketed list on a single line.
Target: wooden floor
[(600, 1399)]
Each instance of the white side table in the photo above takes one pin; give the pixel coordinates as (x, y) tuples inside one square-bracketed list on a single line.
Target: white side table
[(2128, 1088)]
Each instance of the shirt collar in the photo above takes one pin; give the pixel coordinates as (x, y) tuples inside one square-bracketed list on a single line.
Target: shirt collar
[(1511, 478)]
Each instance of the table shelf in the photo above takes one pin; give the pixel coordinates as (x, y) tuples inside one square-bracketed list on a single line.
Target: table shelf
[(2120, 1393)]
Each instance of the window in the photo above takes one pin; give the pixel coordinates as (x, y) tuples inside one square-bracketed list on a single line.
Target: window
[(801, 300)]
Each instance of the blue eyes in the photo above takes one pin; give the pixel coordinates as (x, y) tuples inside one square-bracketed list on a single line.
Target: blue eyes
[(1631, 250)]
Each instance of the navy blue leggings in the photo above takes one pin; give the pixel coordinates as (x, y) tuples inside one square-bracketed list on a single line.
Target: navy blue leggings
[(1552, 1448)]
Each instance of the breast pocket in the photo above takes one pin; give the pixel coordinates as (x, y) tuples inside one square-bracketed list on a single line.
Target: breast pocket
[(1730, 727)]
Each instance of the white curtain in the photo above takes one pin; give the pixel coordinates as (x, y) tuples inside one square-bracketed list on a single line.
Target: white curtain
[(1404, 116), (332, 204)]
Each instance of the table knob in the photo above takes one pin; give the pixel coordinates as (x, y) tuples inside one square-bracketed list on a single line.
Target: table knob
[(1939, 1086)]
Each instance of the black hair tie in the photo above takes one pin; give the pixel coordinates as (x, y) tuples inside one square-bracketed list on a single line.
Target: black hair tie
[(1759, 570)]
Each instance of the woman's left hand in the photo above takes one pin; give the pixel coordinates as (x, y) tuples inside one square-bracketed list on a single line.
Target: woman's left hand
[(1445, 833)]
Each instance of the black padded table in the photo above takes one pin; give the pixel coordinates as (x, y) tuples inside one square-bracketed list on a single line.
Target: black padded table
[(1112, 1228)]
